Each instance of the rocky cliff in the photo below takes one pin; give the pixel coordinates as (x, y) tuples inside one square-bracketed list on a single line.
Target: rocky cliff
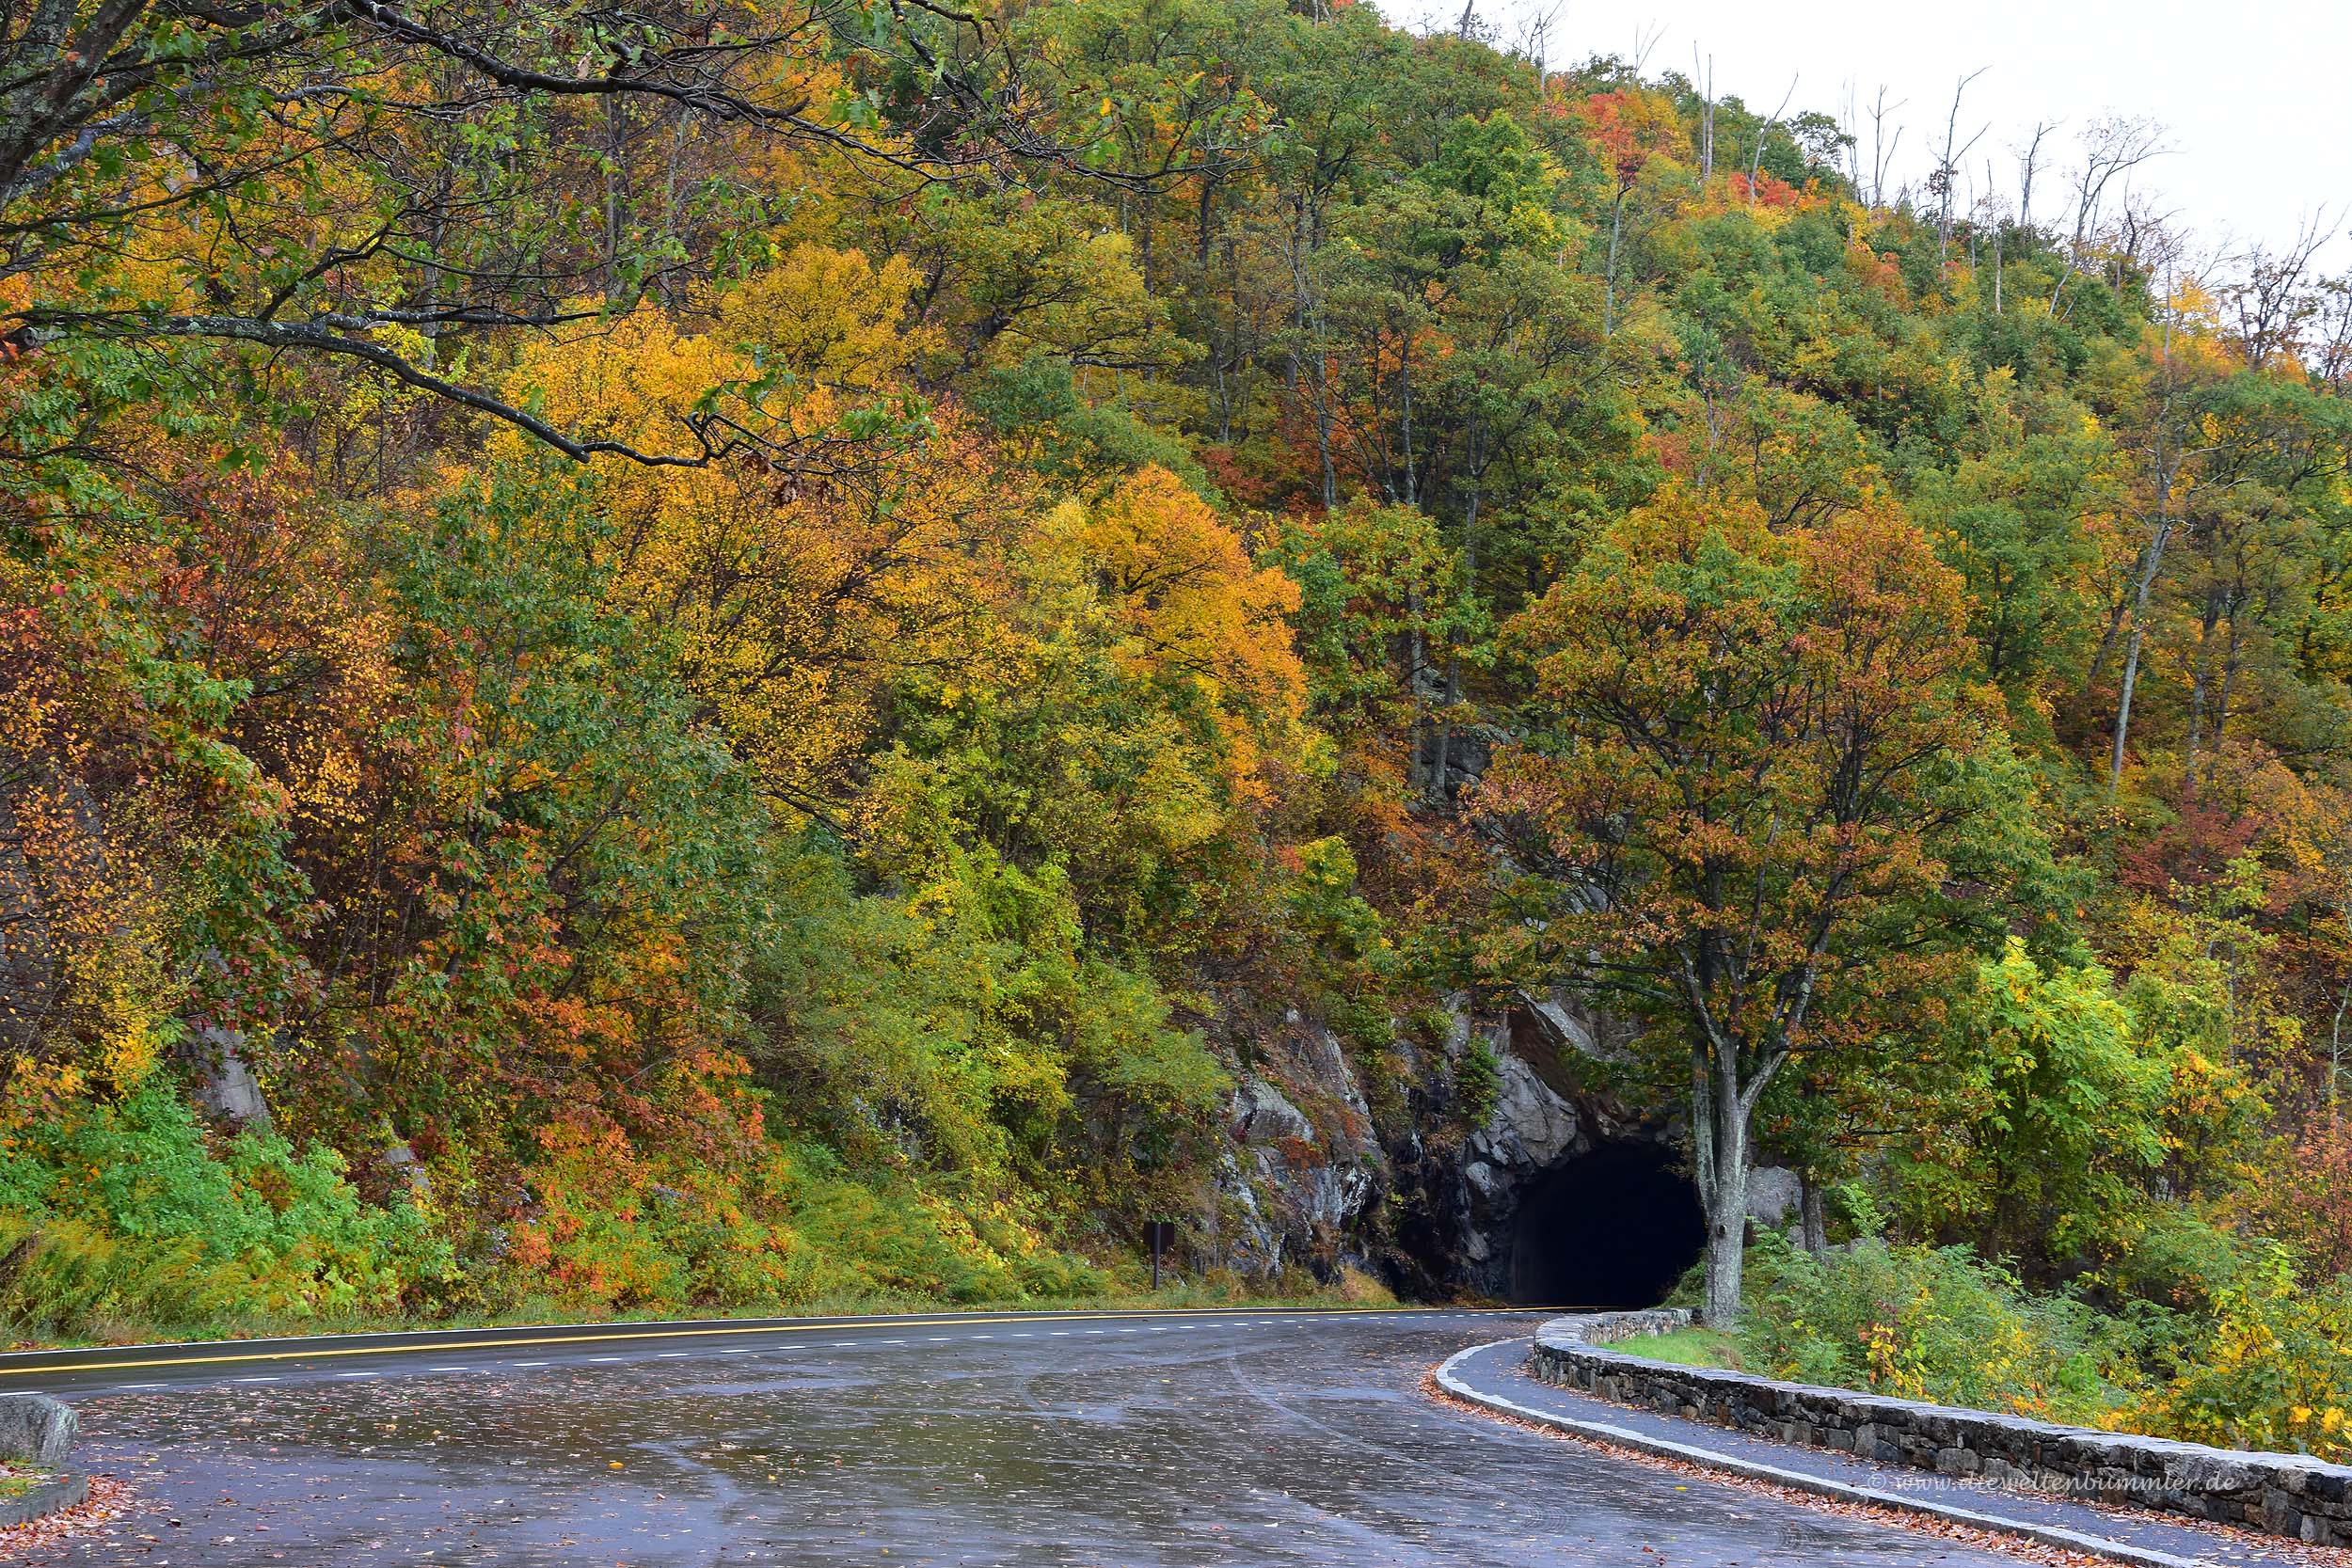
[(1411, 1183)]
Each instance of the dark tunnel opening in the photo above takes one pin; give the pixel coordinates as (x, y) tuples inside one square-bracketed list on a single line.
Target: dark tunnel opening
[(1611, 1229)]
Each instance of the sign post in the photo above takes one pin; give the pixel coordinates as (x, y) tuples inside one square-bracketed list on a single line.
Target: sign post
[(1163, 1234)]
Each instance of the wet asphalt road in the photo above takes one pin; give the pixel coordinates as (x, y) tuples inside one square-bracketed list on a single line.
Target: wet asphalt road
[(1113, 1441)]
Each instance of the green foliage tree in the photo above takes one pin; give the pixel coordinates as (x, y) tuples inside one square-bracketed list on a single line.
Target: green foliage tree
[(2059, 1105)]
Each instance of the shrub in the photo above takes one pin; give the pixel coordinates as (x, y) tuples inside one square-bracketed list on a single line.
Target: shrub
[(1477, 1083), (1933, 1323), (2271, 1370), (792, 1228), (125, 1213)]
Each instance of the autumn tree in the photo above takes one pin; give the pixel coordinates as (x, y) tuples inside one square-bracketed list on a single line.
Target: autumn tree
[(1627, 128), (402, 191), (1755, 762)]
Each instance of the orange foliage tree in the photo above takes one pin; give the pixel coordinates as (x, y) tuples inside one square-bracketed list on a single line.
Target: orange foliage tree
[(1752, 764)]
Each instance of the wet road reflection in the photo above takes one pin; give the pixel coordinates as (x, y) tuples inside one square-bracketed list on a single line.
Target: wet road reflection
[(1181, 1443)]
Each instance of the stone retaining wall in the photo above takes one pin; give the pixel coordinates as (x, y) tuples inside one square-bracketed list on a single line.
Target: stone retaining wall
[(2289, 1495), (53, 1496)]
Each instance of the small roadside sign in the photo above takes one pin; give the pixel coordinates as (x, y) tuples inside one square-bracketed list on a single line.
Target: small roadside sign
[(1162, 1235)]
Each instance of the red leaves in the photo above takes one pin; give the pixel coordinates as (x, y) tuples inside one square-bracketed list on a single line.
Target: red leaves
[(1627, 128), (1765, 190)]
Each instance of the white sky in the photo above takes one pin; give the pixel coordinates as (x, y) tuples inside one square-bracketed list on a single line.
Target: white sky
[(2252, 92)]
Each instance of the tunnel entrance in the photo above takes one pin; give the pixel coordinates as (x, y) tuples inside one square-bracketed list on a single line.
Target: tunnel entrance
[(1611, 1229)]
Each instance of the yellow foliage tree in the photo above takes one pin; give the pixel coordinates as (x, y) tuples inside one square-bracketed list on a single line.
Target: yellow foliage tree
[(797, 591), (1192, 607)]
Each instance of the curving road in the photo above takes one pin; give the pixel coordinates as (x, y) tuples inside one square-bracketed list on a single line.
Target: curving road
[(1113, 1441)]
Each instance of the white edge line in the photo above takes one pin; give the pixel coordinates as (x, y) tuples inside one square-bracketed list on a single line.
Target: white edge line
[(2048, 1535)]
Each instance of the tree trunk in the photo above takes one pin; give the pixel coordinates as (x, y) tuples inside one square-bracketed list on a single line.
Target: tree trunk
[(2150, 563), (1416, 652), (1816, 1216), (1454, 661), (2199, 681), (616, 191), (1723, 1127), (1404, 399), (2152, 560), (2221, 704), (1609, 287), (2123, 710), (2335, 1061)]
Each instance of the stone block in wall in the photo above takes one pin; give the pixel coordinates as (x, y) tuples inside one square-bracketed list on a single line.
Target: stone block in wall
[(2322, 1484), (2213, 1470)]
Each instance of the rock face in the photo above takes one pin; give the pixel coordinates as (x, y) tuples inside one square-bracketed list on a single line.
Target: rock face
[(1312, 1179), (1546, 1113), (1297, 1183), (1262, 1117), (1533, 1124), (224, 1086), (1776, 1195)]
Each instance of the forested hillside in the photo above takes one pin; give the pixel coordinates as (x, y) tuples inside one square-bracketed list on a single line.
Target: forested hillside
[(723, 657)]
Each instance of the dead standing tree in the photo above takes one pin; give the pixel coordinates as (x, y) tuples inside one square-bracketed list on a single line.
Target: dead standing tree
[(1945, 175)]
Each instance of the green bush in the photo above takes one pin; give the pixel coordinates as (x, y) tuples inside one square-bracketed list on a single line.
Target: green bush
[(2269, 1367), (1934, 1324), (1477, 1083), (2255, 1356), (125, 1213), (794, 1229)]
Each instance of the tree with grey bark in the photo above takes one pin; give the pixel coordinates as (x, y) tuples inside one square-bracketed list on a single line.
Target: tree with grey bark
[(1769, 800)]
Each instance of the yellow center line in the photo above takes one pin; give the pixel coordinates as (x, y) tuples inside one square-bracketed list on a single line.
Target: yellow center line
[(444, 1346)]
